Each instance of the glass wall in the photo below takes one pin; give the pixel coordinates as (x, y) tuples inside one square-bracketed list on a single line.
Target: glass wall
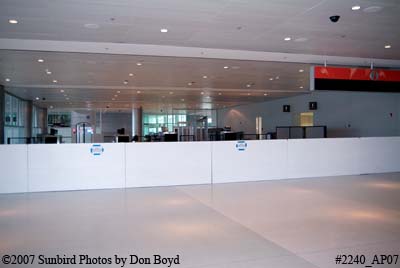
[(14, 120), (154, 123)]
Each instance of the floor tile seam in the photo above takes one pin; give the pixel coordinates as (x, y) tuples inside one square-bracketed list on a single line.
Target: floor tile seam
[(247, 228)]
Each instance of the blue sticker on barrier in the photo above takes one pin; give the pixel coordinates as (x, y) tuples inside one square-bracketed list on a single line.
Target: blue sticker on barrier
[(96, 149), (241, 145)]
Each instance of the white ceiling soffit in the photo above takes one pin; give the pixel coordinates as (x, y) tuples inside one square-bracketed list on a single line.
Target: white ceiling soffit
[(192, 52)]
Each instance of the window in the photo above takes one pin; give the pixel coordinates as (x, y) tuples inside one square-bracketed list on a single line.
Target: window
[(14, 119)]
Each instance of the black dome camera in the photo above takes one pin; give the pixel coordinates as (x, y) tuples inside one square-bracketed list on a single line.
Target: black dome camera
[(334, 18)]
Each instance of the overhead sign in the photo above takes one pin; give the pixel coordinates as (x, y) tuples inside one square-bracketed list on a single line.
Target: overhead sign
[(96, 149), (241, 145), (355, 79)]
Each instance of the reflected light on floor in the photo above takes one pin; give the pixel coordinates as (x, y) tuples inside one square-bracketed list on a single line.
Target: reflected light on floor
[(189, 229), (178, 202), (300, 191), (385, 185), (9, 212), (366, 215)]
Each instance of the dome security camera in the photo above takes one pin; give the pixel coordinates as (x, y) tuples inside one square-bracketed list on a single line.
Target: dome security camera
[(334, 18)]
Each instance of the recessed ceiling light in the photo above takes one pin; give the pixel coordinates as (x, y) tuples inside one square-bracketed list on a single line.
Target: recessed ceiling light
[(13, 21), (91, 26), (355, 8), (170, 93), (37, 98), (190, 83), (164, 30), (301, 86), (163, 96), (287, 38), (65, 95), (220, 93), (182, 99), (208, 97), (55, 81), (118, 91), (131, 74), (226, 67), (125, 82), (277, 77), (202, 93), (8, 79), (62, 90), (248, 94), (265, 94), (248, 85), (205, 76), (115, 95), (138, 92), (112, 99), (40, 60), (388, 46), (271, 79), (51, 107), (301, 70), (139, 64), (67, 98), (48, 72)]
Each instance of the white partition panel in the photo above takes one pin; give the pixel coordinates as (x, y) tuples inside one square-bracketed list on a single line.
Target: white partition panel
[(61, 167), (235, 161), (323, 157), (379, 155), (168, 163), (13, 168)]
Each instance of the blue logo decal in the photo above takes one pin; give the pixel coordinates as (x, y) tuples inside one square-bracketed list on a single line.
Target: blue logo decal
[(241, 145), (97, 149)]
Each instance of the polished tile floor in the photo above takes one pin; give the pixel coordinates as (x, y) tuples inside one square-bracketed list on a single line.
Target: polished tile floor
[(285, 223)]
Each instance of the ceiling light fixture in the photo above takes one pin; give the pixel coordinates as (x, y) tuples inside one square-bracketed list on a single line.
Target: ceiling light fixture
[(37, 98), (220, 93), (301, 70), (164, 30), (205, 76), (12, 21), (301, 87), (182, 99), (40, 60), (62, 90), (126, 82), (47, 71), (248, 94), (138, 92), (388, 46), (190, 83), (202, 93), (131, 74), (287, 38), (55, 81), (265, 94), (8, 79), (67, 98), (170, 93), (139, 64), (248, 85), (355, 8), (226, 67), (118, 91), (271, 79)]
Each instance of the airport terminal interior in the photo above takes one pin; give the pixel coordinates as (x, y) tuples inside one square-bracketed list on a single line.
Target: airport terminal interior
[(200, 134)]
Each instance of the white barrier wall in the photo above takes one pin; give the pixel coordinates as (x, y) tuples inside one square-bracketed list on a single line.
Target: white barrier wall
[(59, 167), (168, 163), (13, 169), (249, 161), (379, 155), (323, 157)]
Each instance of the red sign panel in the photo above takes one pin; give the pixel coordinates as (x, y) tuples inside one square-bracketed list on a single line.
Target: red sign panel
[(365, 74)]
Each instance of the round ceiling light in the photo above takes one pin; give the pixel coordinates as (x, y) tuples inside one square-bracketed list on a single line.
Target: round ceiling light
[(164, 30), (12, 21), (355, 8), (40, 60), (388, 46), (287, 38)]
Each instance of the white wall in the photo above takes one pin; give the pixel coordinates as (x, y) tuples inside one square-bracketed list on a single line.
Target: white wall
[(347, 114), (259, 161), (59, 167), (13, 169), (168, 163)]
